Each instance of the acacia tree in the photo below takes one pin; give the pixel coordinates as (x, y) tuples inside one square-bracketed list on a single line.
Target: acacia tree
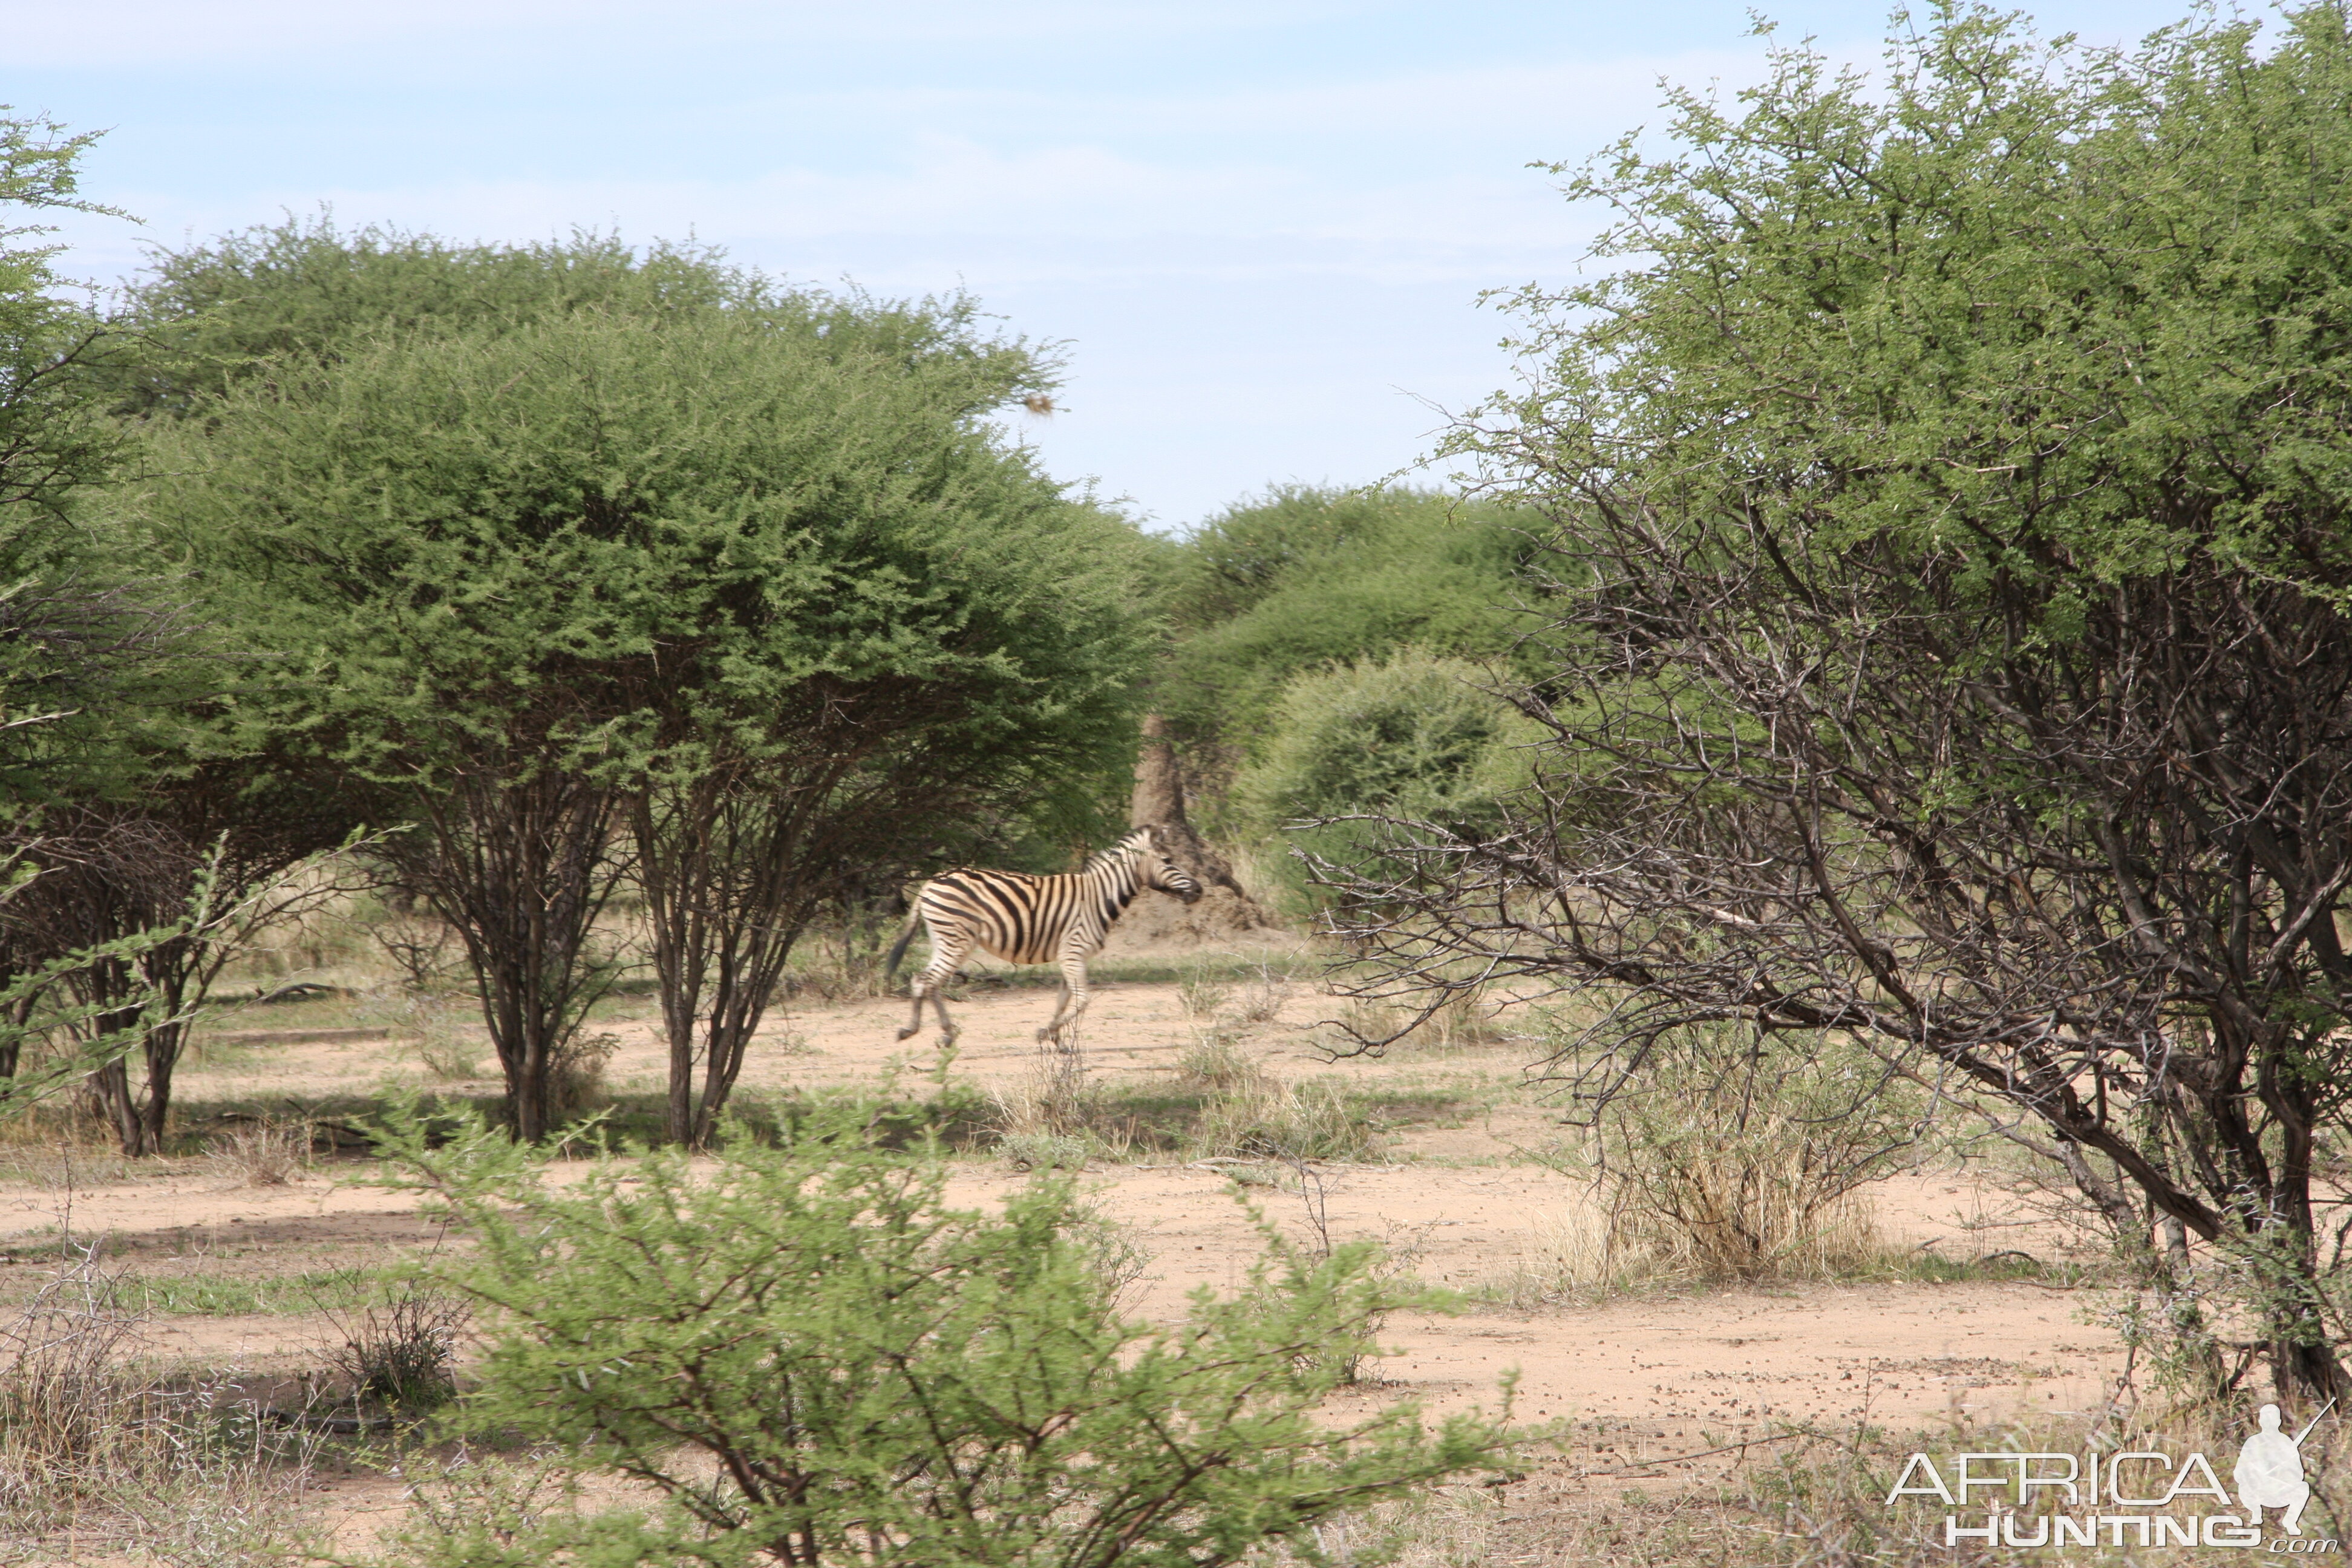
[(99, 665), (160, 895), (790, 768), (1947, 621), (713, 575)]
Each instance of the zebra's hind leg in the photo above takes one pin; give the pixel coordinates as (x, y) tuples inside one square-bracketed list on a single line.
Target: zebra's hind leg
[(931, 985), (947, 952)]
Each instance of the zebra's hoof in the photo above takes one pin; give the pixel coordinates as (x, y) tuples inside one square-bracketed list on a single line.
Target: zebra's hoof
[(908, 1030)]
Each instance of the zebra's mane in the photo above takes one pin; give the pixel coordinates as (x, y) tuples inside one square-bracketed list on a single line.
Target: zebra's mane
[(1133, 844)]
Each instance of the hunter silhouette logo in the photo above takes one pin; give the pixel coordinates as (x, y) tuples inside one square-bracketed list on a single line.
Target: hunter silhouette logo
[(2092, 1499), (2269, 1472)]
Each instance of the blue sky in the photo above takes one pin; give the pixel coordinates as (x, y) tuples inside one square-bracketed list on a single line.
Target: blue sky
[(1261, 228)]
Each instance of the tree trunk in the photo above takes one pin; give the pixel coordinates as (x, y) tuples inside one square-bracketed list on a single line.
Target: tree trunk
[(522, 868), (1158, 802), (14, 1022), (109, 1086), (1159, 799), (720, 863)]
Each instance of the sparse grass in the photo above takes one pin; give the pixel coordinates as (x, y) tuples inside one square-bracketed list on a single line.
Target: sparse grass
[(1050, 1098), (1222, 1104), (97, 1447), (1584, 1254), (1220, 1063), (1801, 1498), (1201, 992), (1817, 1497), (1228, 1105), (1596, 1251), (1271, 1119), (1568, 1256), (1444, 1527), (1206, 969), (1927, 1267), (575, 1079), (1463, 1021), (220, 1296), (1738, 1220), (446, 1032), (1260, 998), (53, 1147), (1717, 1162), (337, 1008)]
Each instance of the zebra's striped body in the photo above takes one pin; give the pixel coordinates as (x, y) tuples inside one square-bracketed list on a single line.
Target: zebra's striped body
[(1033, 920)]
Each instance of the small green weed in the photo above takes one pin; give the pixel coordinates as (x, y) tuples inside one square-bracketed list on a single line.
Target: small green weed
[(212, 1296), (1040, 1151)]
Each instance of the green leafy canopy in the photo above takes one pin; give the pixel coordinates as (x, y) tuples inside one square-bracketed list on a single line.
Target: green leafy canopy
[(568, 525), (2064, 315), (1307, 578)]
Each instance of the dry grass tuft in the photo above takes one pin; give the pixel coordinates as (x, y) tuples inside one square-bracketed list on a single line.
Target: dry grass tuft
[(576, 1078), (1260, 1001), (1723, 1164), (403, 1356), (260, 1153), (1263, 1118), (1758, 1211), (75, 1418), (1217, 1062), (1201, 992), (1051, 1098)]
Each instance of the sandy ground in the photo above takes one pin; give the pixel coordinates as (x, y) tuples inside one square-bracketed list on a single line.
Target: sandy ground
[(1655, 1376)]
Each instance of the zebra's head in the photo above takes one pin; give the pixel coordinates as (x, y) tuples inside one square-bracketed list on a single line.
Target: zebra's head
[(1160, 871)]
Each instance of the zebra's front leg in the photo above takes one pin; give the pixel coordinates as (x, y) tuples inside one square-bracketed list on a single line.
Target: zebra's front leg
[(1071, 1005)]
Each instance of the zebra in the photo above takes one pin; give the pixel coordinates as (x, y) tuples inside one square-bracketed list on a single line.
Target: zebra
[(1033, 920)]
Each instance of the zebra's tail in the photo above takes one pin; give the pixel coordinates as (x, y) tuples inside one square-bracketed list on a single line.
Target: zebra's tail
[(899, 950)]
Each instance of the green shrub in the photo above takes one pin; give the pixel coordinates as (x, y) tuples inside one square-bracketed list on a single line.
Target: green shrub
[(1304, 577), (813, 1358), (1411, 735)]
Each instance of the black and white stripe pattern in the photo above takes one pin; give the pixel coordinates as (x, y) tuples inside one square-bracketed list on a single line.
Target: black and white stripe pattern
[(1033, 919)]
